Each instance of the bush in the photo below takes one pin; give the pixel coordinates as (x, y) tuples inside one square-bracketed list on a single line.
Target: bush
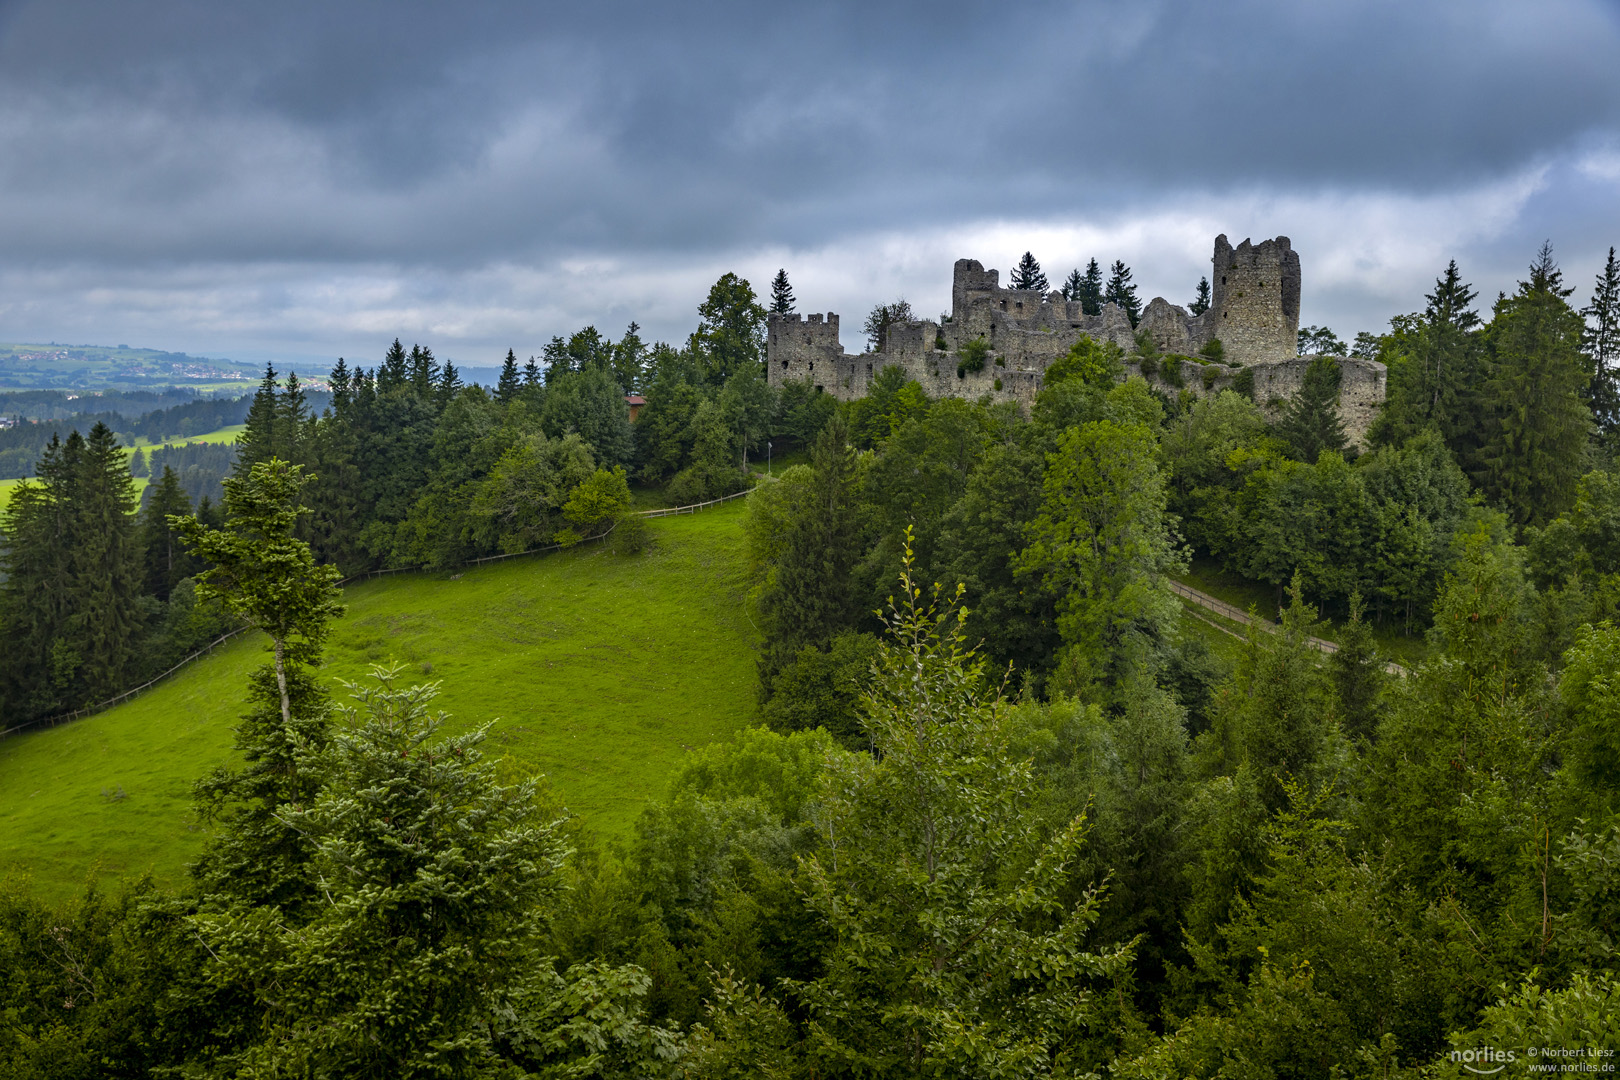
[(823, 689), (630, 536), (1211, 373), (1149, 363), (972, 356), (702, 482), (940, 343), (1244, 383), (1171, 369), (1214, 350), (998, 384)]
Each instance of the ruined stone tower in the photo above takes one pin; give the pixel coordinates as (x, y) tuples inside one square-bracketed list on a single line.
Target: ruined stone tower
[(1256, 300), (1254, 313)]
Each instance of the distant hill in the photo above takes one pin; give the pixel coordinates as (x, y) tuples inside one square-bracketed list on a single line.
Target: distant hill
[(98, 367)]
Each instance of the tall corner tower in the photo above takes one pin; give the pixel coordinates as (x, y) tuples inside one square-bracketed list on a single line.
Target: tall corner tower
[(1256, 300)]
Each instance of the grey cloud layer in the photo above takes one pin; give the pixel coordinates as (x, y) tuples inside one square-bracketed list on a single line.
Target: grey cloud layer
[(449, 139)]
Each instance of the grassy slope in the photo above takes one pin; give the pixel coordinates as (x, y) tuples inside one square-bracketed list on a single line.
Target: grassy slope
[(601, 670), (1207, 576), (221, 435)]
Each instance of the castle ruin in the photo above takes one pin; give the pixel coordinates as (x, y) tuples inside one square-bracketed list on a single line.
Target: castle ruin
[(1254, 312)]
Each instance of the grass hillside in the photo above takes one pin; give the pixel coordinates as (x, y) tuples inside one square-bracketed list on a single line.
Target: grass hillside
[(599, 671)]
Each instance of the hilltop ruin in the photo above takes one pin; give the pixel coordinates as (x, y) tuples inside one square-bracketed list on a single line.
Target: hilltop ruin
[(1254, 312)]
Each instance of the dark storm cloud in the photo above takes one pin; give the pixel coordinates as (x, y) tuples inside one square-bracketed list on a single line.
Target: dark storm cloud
[(471, 131), (424, 144)]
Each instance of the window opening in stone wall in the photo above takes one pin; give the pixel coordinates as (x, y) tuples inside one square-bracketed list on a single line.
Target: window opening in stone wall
[(784, 365)]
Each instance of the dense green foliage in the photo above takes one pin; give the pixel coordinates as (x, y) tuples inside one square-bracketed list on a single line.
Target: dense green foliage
[(1016, 823)]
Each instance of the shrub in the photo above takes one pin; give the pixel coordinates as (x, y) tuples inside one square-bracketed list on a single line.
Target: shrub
[(1001, 361), (1214, 350), (630, 536), (1171, 369), (940, 343), (1149, 364), (973, 356), (1211, 373), (998, 384), (1244, 383)]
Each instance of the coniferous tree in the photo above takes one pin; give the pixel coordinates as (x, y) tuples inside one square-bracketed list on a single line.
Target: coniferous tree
[(1027, 274), (1090, 293), (506, 389), (781, 294), (1601, 342), (811, 599), (1311, 423), (531, 374), (1435, 373), (36, 584), (164, 558), (341, 388), (424, 371), (1120, 291), (137, 464), (1536, 421), (1073, 285), (394, 371), (448, 385), (104, 618), (258, 441), (1200, 302), (630, 359), (292, 416)]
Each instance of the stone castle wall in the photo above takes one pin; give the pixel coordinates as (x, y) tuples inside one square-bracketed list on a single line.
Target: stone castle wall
[(1254, 312)]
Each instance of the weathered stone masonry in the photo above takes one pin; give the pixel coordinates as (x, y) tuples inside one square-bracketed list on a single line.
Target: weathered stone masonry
[(1254, 312)]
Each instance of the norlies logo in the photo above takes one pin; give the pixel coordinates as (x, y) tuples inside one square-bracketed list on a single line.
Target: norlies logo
[(1486, 1061)]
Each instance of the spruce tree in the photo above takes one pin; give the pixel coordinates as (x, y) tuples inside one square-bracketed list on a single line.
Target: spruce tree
[(1358, 674), (531, 374), (137, 464), (448, 385), (292, 418), (1601, 342), (164, 558), (781, 294), (394, 371), (506, 389), (35, 584), (1200, 302), (811, 599), (1120, 291), (1536, 421), (1311, 423), (341, 391), (105, 582), (1091, 290), (630, 358), (424, 372), (258, 440), (1073, 285), (1027, 274)]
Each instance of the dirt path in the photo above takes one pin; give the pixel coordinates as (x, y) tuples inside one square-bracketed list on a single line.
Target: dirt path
[(1227, 611)]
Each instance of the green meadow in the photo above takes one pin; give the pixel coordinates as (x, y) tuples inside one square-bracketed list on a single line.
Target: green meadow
[(596, 671)]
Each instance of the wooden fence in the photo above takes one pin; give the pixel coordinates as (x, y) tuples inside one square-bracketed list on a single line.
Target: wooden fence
[(53, 721)]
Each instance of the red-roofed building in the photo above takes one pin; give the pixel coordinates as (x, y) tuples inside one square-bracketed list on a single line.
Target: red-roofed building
[(636, 403)]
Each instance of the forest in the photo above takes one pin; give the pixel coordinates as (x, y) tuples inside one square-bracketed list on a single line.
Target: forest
[(1000, 815)]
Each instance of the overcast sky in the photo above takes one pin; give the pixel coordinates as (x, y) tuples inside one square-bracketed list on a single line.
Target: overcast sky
[(309, 180)]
